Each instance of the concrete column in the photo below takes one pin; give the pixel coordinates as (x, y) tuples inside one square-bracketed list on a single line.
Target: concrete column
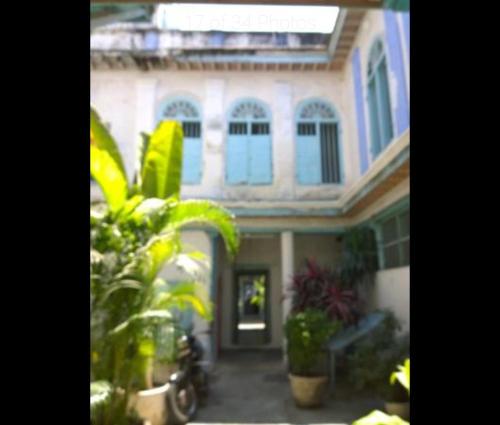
[(213, 139), (144, 115), (283, 140), (287, 270)]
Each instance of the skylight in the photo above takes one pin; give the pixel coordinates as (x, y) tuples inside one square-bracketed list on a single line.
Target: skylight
[(246, 18)]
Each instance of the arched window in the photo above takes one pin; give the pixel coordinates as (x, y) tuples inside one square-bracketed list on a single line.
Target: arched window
[(188, 114), (379, 103), (318, 145), (248, 150)]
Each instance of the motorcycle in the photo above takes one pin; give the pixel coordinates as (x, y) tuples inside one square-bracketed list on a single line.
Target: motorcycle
[(189, 386)]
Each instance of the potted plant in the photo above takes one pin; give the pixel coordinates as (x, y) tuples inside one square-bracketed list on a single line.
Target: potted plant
[(401, 377), (321, 288), (134, 233), (373, 359), (307, 333)]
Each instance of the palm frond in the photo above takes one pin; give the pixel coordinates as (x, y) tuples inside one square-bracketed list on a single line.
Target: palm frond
[(206, 212), (148, 318), (184, 294)]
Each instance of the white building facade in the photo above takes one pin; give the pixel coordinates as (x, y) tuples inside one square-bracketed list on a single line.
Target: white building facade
[(299, 148)]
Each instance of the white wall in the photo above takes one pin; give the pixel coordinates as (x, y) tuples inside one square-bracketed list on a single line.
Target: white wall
[(324, 249), (392, 291), (122, 99)]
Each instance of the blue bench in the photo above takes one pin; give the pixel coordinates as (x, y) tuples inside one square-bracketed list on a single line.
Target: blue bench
[(348, 336)]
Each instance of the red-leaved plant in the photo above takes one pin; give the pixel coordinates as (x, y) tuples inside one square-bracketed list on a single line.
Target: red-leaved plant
[(319, 287)]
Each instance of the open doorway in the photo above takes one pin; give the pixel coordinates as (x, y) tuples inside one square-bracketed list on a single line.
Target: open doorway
[(251, 308)]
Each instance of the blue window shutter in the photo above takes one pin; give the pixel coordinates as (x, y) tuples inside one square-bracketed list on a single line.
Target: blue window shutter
[(397, 66), (360, 112), (260, 157), (191, 166), (237, 159), (385, 104), (308, 159), (374, 121)]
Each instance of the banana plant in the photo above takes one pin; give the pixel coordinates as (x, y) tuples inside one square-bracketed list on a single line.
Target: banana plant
[(135, 232)]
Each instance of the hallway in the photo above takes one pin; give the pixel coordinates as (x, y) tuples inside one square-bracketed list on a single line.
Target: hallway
[(251, 387)]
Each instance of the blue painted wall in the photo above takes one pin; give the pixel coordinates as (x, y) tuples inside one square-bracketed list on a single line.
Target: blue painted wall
[(396, 65), (360, 111)]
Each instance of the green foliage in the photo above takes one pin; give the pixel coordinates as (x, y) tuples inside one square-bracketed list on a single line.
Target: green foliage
[(307, 334), (100, 395), (402, 375), (375, 357), (162, 163), (106, 164), (206, 212), (260, 292), (380, 418), (134, 234), (359, 255)]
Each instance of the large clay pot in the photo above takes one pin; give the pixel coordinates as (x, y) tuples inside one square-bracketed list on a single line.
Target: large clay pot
[(309, 391), (399, 409), (150, 404)]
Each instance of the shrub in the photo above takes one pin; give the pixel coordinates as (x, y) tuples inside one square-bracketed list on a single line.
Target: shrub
[(320, 288), (307, 333), (374, 358)]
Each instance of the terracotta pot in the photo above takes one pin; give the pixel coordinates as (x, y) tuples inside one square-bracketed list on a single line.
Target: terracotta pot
[(150, 404), (309, 391), (399, 409)]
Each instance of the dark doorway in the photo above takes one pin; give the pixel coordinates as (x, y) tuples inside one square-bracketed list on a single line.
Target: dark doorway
[(251, 308)]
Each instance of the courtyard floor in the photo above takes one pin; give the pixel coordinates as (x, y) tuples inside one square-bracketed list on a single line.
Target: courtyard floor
[(253, 388)]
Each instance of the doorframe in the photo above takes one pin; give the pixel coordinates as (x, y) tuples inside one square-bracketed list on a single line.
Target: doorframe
[(251, 270)]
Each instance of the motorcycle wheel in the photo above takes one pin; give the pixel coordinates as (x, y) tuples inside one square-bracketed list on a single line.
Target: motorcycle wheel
[(182, 403)]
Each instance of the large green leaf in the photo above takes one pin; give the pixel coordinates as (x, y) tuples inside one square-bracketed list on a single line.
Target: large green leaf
[(149, 317), (159, 250), (142, 148), (104, 171), (206, 212), (380, 418), (402, 375), (185, 294), (106, 164), (162, 165)]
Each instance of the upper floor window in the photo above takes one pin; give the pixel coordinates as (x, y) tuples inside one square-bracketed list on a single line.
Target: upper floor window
[(379, 104), (318, 147), (248, 149), (395, 235), (188, 114)]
